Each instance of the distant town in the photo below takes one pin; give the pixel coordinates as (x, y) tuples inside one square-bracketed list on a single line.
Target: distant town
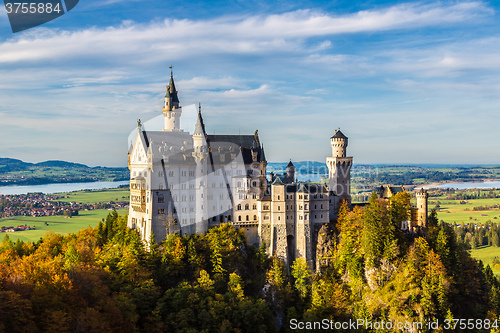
[(40, 204)]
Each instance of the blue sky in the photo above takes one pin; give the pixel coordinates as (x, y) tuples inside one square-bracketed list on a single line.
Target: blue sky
[(407, 82)]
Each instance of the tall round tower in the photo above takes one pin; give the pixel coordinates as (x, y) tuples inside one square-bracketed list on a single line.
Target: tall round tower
[(422, 196), (339, 169), (172, 110), (339, 144)]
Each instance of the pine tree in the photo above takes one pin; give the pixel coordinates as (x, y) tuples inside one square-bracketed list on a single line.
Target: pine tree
[(495, 241)]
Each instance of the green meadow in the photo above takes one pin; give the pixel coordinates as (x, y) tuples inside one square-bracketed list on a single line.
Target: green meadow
[(451, 211), (486, 254), (89, 197), (65, 225), (57, 224)]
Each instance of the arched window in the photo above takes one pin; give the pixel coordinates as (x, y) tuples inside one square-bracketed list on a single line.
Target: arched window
[(239, 207), (247, 207), (239, 218), (254, 206), (248, 218), (255, 217)]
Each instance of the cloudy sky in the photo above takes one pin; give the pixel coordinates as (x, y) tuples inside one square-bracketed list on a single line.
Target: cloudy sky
[(407, 82)]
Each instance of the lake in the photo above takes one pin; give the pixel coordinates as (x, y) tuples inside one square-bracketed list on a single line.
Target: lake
[(461, 186), (60, 187)]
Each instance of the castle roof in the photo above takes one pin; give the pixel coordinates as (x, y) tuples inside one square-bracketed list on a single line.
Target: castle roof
[(171, 92), (200, 126), (290, 164), (339, 135), (277, 181)]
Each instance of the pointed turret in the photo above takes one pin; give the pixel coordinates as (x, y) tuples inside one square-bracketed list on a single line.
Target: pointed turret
[(199, 128), (290, 172), (171, 92), (172, 110), (262, 154)]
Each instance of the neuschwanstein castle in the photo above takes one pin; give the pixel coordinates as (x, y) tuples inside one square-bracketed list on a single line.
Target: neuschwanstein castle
[(187, 183)]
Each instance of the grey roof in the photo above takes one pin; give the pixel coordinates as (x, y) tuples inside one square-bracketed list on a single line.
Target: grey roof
[(290, 164), (245, 143), (200, 126), (173, 148), (339, 134), (277, 181), (171, 92)]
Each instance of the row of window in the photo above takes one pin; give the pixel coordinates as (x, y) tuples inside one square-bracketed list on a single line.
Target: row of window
[(247, 207)]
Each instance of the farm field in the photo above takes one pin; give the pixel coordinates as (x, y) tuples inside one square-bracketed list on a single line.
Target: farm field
[(90, 197), (451, 211), (486, 254), (57, 224)]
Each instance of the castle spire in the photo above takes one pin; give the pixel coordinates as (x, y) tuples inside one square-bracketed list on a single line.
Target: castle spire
[(171, 91), (200, 126), (172, 110)]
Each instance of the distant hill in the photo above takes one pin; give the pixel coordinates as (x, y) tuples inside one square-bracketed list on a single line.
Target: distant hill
[(11, 164), (17, 172), (62, 164)]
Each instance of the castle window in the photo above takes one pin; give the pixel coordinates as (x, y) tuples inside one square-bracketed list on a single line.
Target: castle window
[(239, 207), (315, 206), (239, 184), (161, 199), (279, 218), (300, 207), (300, 196), (321, 196), (321, 206), (315, 196), (255, 217), (161, 187), (305, 206), (170, 173), (191, 198), (160, 173), (183, 198), (248, 218), (247, 207), (300, 217), (266, 207), (305, 197), (254, 206), (279, 207), (321, 216), (161, 211), (305, 217), (315, 216), (191, 173), (254, 184), (278, 197)]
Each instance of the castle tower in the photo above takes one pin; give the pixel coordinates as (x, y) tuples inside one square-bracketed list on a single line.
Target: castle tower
[(172, 110), (279, 240), (339, 168), (290, 171), (200, 154), (422, 196)]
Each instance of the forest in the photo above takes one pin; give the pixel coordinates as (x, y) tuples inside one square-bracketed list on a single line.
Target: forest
[(105, 279)]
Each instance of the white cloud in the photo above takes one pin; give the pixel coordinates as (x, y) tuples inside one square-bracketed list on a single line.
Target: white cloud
[(263, 34)]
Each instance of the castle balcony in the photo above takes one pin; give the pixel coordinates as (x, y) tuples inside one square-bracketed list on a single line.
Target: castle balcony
[(138, 194)]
